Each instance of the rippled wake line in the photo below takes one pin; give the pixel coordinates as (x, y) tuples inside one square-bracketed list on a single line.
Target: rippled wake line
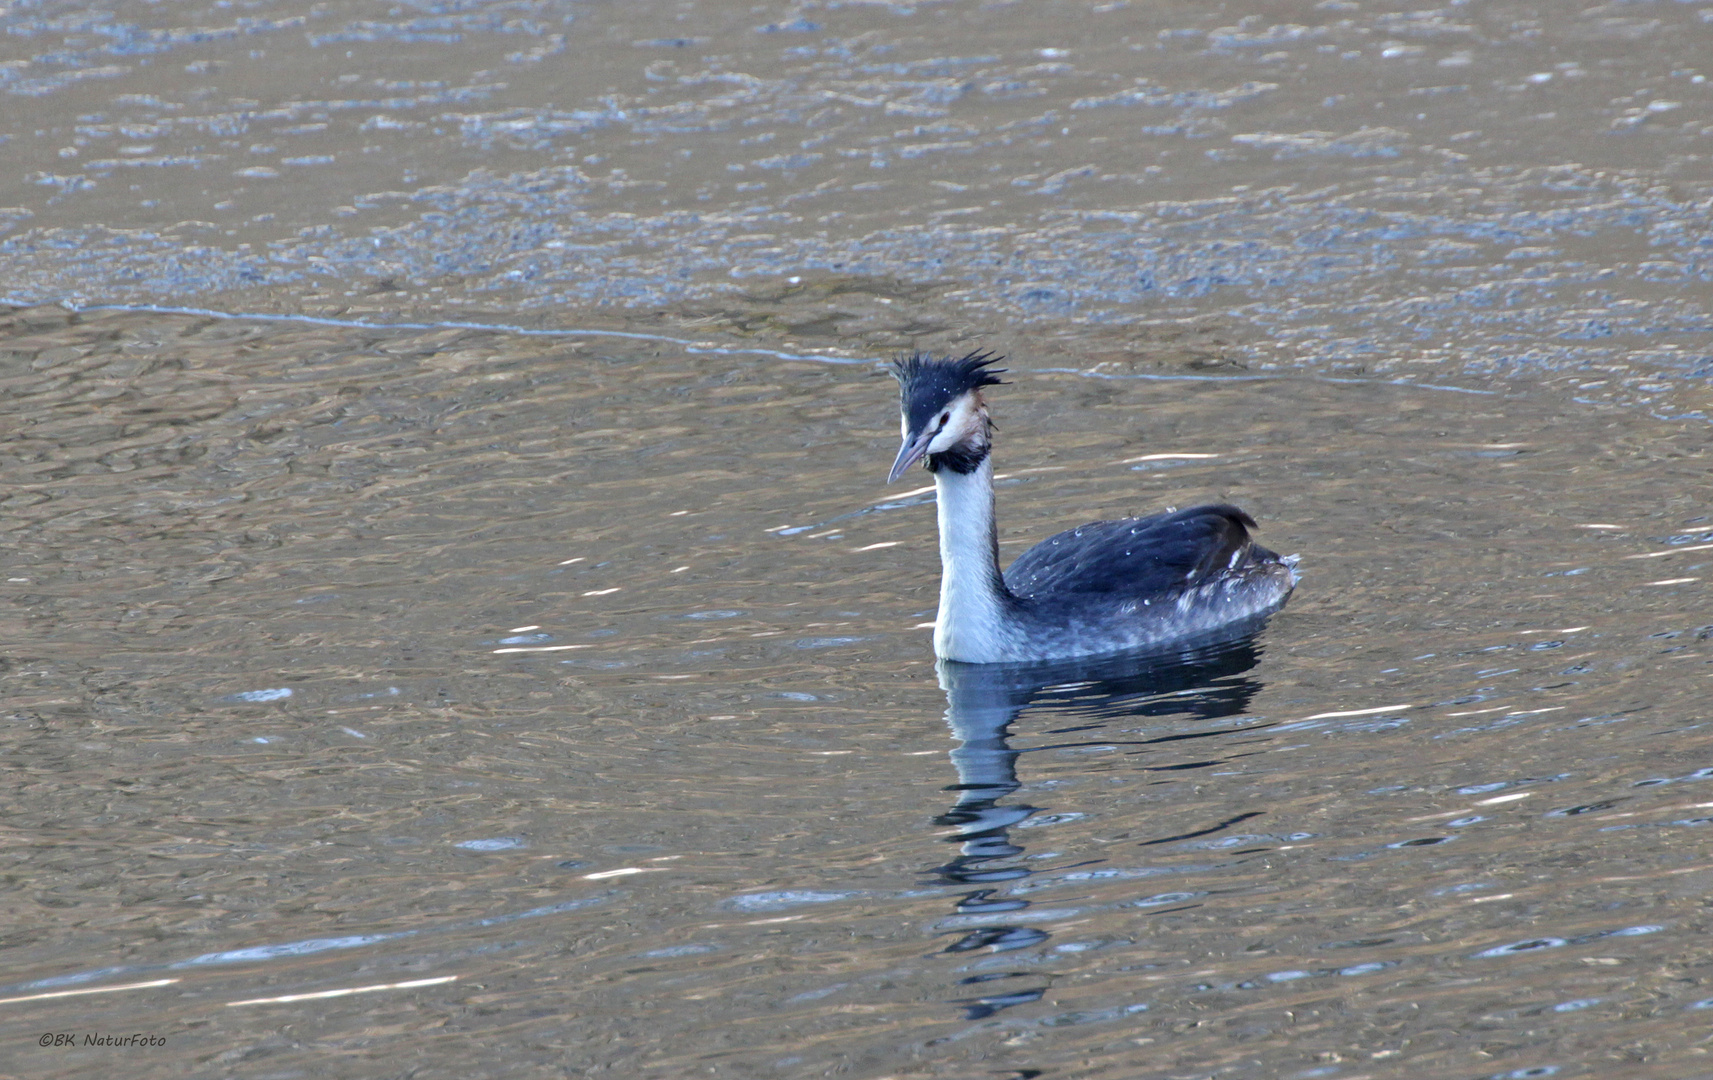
[(1155, 377), (696, 346), (504, 328)]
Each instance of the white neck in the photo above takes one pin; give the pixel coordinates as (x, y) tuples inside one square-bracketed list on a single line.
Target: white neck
[(971, 625)]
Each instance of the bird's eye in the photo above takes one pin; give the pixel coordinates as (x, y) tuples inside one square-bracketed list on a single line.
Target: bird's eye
[(945, 418)]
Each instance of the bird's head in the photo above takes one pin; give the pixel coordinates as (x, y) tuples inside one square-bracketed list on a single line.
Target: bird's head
[(943, 416)]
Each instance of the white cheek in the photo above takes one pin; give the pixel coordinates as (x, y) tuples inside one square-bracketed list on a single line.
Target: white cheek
[(964, 425), (944, 441)]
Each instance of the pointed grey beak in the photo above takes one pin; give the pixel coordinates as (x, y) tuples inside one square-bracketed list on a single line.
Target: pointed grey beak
[(910, 453)]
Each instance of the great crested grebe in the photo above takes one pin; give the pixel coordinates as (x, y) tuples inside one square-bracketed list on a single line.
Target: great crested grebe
[(1104, 587)]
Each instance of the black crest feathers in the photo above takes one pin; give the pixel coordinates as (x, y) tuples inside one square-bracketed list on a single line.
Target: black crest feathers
[(926, 384)]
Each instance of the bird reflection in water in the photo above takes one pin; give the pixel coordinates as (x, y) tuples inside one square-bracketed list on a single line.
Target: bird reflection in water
[(1199, 679)]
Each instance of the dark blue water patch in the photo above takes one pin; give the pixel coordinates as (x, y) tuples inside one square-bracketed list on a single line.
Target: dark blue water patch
[(1467, 699), (1242, 37), (1291, 975), (1589, 330), (1698, 774), (1359, 725), (787, 161), (1681, 823), (983, 1007), (496, 843), (1585, 808), (1245, 841), (1043, 821), (122, 40), (999, 939), (1464, 888), (1159, 97), (1219, 827), (1161, 899), (372, 32), (391, 691), (669, 43), (440, 28), (817, 994), (252, 696), (1501, 785), (1535, 944), (1531, 945), (787, 898), (1078, 1019), (694, 949), (307, 947), (798, 25), (1112, 875)]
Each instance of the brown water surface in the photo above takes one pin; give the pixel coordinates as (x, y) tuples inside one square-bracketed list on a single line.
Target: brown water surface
[(586, 674)]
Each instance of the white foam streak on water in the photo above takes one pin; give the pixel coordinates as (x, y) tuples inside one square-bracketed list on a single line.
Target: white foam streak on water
[(322, 995)]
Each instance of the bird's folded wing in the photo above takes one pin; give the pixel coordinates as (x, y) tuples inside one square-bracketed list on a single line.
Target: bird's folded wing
[(1149, 556)]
